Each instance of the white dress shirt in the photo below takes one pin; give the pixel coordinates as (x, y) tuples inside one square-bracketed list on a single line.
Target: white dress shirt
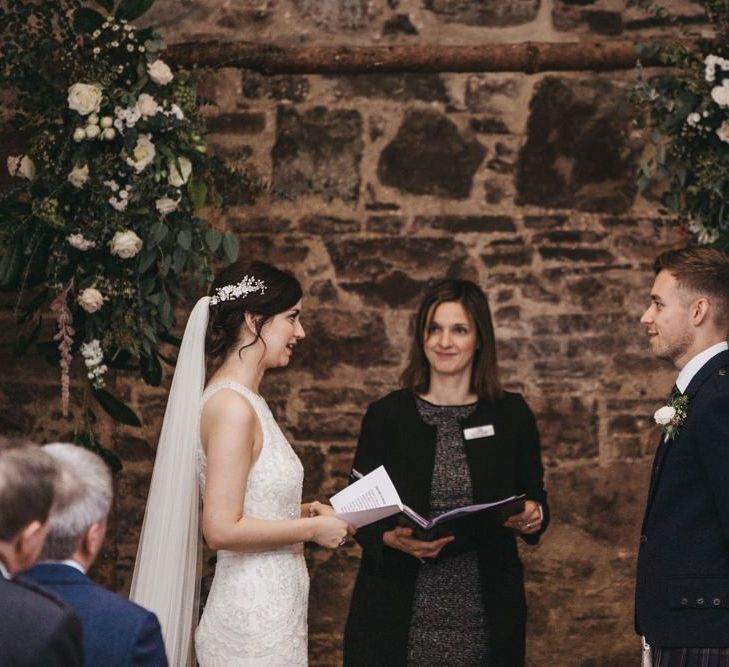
[(696, 363), (4, 572)]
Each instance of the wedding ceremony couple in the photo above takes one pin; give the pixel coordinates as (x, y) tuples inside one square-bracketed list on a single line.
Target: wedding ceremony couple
[(449, 437)]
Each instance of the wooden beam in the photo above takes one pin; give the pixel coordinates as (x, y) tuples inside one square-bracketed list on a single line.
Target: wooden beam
[(528, 57)]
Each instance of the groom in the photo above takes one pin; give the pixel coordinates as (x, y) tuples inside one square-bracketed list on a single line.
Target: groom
[(682, 588)]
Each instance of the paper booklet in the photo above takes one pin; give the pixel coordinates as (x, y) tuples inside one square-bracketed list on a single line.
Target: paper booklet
[(373, 497)]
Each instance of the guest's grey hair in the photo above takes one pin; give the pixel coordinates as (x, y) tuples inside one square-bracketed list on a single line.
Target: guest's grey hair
[(83, 497)]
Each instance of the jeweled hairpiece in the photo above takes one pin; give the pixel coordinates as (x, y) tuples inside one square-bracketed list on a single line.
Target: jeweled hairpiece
[(241, 289)]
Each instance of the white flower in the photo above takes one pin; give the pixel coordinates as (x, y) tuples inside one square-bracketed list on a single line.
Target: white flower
[(703, 235), (78, 176), (126, 117), (79, 242), (84, 98), (723, 131), (92, 353), (79, 134), (118, 204), (91, 299), (664, 415), (720, 95), (147, 105), (693, 119), (112, 185), (166, 205), (106, 121), (177, 112), (143, 153), (160, 72), (125, 244), (21, 166), (93, 119), (92, 131), (108, 133), (179, 178)]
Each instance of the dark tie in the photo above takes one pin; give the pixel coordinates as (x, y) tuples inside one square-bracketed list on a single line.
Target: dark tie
[(675, 393)]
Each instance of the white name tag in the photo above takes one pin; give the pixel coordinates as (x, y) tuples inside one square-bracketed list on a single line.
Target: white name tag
[(484, 431)]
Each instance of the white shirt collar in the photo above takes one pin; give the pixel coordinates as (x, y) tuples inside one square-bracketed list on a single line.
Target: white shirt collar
[(696, 363), (69, 561), (4, 572)]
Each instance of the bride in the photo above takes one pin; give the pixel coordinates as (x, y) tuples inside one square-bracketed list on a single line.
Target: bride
[(224, 444)]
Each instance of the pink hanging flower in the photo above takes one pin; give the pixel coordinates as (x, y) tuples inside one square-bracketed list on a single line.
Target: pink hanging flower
[(65, 336)]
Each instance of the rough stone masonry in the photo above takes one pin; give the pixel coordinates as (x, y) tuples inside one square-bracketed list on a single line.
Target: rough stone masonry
[(382, 182)]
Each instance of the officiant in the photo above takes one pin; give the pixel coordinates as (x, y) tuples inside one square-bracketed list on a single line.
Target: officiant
[(450, 437)]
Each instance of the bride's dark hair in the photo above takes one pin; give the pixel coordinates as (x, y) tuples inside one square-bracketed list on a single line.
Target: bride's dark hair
[(226, 317)]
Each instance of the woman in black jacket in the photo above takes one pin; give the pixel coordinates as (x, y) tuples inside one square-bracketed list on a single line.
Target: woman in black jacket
[(451, 437)]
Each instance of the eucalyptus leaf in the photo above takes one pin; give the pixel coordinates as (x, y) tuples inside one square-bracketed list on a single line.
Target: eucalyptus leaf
[(87, 20), (115, 408), (108, 5), (213, 238), (198, 192), (231, 247), (151, 369), (184, 239), (179, 257)]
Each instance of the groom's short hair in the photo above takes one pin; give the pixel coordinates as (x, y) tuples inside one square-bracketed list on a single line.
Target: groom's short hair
[(704, 271), (84, 495), (27, 487)]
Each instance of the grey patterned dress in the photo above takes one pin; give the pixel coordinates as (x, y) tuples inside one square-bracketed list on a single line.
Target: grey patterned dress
[(448, 625)]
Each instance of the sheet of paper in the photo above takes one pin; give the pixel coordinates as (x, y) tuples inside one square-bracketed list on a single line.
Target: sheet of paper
[(369, 499)]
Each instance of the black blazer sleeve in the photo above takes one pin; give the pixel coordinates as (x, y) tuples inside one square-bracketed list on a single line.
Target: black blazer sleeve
[(64, 646), (530, 472), (370, 454)]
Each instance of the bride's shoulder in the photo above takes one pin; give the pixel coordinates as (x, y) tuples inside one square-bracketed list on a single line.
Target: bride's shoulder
[(228, 405)]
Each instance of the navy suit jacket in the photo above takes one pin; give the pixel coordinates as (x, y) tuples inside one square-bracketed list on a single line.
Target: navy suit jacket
[(117, 632), (682, 587), (36, 628)]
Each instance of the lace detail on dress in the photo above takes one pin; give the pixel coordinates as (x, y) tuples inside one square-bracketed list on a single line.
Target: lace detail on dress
[(256, 611)]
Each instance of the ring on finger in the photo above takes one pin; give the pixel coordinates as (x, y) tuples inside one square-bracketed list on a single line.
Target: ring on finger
[(342, 542)]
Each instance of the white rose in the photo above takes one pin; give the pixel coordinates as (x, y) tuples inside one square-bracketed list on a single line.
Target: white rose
[(84, 98), (720, 95), (106, 121), (21, 166), (147, 105), (179, 178), (91, 300), (92, 131), (143, 153), (166, 205), (693, 119), (125, 244), (160, 72), (665, 415), (79, 134), (723, 131), (108, 133), (78, 176), (79, 242)]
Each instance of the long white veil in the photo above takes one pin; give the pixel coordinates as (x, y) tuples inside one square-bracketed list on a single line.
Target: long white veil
[(166, 576)]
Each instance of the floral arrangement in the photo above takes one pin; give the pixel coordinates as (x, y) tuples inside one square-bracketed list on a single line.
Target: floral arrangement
[(685, 113), (672, 416), (99, 226)]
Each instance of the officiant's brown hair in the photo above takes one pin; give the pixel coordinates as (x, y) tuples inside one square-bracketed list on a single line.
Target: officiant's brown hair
[(485, 381)]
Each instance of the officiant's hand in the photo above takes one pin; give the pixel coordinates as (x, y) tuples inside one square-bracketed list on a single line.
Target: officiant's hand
[(529, 521), (401, 538)]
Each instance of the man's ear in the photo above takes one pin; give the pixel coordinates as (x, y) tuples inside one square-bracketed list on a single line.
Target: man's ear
[(93, 539), (700, 310), (29, 543)]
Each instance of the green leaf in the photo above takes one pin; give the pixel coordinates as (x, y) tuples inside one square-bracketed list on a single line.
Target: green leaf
[(132, 9), (184, 239), (146, 259), (213, 238), (87, 20), (108, 5), (115, 408), (151, 369), (179, 257), (9, 266), (157, 232), (230, 247), (198, 192)]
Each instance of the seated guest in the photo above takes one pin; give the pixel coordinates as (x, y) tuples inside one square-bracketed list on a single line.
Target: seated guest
[(36, 629), (116, 631)]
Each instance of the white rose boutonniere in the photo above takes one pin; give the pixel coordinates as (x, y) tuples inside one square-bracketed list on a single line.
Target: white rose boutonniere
[(143, 154), (672, 416), (91, 300), (84, 98), (160, 72), (178, 177), (125, 244)]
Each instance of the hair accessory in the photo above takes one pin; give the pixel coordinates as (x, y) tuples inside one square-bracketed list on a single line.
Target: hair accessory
[(245, 287)]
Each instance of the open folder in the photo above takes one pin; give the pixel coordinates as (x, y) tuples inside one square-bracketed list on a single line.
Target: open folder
[(374, 497)]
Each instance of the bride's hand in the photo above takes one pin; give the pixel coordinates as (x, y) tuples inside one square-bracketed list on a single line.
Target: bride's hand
[(320, 509), (329, 531)]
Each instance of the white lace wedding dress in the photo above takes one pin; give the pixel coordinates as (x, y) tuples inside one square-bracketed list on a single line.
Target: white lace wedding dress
[(256, 611)]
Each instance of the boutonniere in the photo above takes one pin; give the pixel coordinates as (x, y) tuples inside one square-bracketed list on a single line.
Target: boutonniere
[(673, 415)]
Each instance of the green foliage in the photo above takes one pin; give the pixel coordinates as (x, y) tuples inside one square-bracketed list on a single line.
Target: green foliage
[(685, 115), (103, 204)]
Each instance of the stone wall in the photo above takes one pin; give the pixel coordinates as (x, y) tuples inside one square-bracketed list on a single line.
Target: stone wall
[(381, 182)]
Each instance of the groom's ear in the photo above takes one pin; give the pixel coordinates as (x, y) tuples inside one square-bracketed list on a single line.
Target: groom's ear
[(700, 309)]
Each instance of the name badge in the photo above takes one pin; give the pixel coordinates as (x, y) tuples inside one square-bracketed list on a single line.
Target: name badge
[(485, 431)]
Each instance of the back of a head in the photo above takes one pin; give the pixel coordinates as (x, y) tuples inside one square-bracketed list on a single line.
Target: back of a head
[(27, 485), (84, 494), (703, 271)]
